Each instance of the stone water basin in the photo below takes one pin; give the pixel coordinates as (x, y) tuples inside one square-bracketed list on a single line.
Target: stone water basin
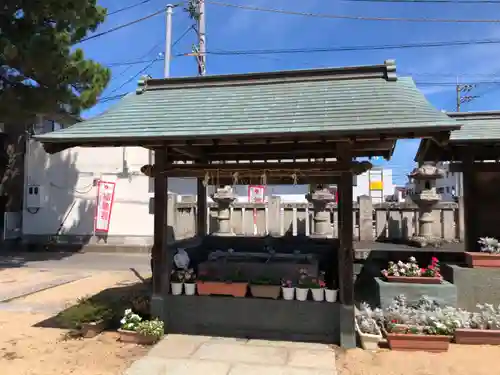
[(253, 266)]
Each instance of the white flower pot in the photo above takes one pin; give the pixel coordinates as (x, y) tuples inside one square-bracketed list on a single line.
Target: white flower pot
[(288, 293), (368, 341), (318, 294), (189, 289), (176, 288), (301, 293), (331, 295)]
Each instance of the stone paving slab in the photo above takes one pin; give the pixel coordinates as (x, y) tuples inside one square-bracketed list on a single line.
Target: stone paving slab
[(23, 291), (204, 355), (241, 353), (243, 369)]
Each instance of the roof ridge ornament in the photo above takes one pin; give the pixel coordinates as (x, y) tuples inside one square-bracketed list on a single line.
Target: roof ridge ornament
[(390, 66), (142, 84)]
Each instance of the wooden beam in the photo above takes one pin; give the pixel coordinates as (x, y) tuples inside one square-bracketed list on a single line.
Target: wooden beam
[(478, 167), (345, 254), (471, 221), (160, 265), (190, 151)]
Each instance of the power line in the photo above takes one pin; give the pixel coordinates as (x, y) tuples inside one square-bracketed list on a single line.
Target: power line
[(128, 7), (150, 63), (354, 18), (121, 26), (427, 1), (353, 48)]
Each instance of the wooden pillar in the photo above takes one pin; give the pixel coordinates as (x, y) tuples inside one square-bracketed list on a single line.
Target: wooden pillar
[(160, 257), (471, 223), (201, 213), (345, 256)]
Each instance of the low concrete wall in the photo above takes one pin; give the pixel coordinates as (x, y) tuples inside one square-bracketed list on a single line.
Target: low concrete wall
[(474, 285), (445, 293), (253, 318)]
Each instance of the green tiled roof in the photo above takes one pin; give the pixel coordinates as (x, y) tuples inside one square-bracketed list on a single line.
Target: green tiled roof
[(476, 126), (348, 100)]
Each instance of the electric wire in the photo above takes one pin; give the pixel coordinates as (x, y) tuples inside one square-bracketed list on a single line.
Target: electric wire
[(426, 1), (353, 18), (109, 97), (128, 7)]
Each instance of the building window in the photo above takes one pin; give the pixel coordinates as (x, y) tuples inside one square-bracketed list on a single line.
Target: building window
[(448, 189), (440, 190)]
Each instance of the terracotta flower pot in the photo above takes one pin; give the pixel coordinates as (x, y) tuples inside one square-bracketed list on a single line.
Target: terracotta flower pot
[(92, 329), (482, 259), (477, 336), (411, 342), (265, 291), (206, 288), (413, 279), (133, 337)]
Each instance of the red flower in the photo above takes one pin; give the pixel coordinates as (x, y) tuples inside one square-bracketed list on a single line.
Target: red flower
[(431, 267), (423, 270), (394, 321)]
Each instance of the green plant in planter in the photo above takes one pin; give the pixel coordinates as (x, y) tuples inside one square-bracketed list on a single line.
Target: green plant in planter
[(236, 277), (85, 311), (151, 328), (263, 281)]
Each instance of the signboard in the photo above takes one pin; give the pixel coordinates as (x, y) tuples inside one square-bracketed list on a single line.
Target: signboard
[(256, 193), (376, 185), (105, 198)]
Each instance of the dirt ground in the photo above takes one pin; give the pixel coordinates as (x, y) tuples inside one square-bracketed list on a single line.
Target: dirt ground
[(28, 350), (459, 360)]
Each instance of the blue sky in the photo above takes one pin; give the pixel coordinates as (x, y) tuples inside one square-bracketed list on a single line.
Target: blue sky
[(236, 29)]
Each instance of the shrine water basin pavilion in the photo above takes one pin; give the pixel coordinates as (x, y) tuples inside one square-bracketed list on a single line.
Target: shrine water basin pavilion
[(314, 123)]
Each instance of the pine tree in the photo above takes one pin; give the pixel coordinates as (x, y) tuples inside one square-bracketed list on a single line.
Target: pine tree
[(40, 71)]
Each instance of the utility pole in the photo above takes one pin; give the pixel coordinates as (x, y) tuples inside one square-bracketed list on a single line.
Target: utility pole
[(168, 40), (464, 98), (202, 49)]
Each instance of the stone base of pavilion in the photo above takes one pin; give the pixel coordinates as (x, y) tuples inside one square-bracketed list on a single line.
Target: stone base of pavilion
[(257, 318)]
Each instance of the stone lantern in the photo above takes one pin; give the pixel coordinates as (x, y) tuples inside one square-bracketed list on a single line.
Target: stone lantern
[(224, 197), (425, 197), (320, 199)]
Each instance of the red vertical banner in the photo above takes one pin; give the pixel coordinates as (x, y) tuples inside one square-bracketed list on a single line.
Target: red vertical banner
[(105, 198), (256, 195)]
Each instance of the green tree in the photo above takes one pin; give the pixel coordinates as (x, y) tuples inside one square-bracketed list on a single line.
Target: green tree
[(40, 72)]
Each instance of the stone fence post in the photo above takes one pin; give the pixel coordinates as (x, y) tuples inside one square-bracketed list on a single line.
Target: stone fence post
[(365, 218)]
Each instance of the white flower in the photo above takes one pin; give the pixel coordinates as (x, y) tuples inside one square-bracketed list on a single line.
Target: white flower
[(123, 321), (128, 311)]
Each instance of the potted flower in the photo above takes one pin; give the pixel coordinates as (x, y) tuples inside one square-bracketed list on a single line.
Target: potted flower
[(303, 286), (367, 326), (288, 290), (424, 326), (317, 287), (189, 282), (489, 256), (137, 331), (177, 281), (235, 285), (410, 272), (264, 288), (479, 328), (331, 294)]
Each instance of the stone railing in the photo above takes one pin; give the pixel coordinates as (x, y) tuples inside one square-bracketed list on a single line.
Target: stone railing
[(393, 221)]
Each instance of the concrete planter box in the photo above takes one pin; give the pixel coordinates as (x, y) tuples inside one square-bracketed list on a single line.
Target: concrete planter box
[(411, 342), (92, 329), (477, 336), (413, 280), (133, 337), (482, 260), (445, 293), (206, 288), (265, 291)]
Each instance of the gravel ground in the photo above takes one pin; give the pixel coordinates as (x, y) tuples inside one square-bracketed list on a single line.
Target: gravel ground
[(29, 350), (459, 360)]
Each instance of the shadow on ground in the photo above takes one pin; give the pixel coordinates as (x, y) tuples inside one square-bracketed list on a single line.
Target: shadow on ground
[(134, 295)]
